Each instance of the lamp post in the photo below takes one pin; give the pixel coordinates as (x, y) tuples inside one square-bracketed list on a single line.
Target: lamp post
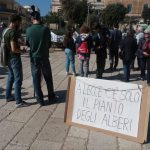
[(88, 4), (59, 23)]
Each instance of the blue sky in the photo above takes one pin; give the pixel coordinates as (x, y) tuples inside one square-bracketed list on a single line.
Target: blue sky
[(44, 5)]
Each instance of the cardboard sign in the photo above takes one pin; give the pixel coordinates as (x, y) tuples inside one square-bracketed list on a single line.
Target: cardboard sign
[(117, 108)]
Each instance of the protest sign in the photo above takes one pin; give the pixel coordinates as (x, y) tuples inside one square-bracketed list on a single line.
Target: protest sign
[(117, 108)]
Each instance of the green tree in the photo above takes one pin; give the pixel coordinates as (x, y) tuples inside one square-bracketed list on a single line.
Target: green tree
[(93, 20), (51, 18), (54, 18), (113, 13), (75, 11), (146, 14)]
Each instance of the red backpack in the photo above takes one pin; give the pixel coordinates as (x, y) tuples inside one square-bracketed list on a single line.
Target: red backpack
[(83, 48)]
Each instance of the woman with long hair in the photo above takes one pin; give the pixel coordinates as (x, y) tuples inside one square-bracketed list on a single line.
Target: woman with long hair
[(70, 51)]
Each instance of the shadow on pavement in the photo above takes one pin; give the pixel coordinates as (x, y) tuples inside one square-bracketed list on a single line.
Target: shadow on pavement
[(2, 94), (3, 91), (60, 94), (115, 77), (133, 77)]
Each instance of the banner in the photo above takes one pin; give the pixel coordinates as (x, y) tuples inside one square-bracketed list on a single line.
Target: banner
[(110, 106)]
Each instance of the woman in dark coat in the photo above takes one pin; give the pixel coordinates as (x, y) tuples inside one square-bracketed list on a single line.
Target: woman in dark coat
[(128, 47), (144, 55)]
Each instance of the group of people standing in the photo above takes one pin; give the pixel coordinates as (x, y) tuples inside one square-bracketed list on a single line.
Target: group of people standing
[(38, 39), (83, 45), (126, 46), (98, 40)]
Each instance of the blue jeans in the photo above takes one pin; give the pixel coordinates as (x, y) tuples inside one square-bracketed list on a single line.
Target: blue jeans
[(126, 67), (42, 66), (70, 59), (15, 76)]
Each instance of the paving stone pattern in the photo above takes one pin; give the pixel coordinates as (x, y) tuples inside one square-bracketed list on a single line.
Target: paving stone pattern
[(43, 128)]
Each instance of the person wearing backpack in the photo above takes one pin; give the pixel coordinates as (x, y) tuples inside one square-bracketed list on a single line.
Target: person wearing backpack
[(144, 55), (100, 50), (13, 57), (115, 38), (84, 44), (70, 51)]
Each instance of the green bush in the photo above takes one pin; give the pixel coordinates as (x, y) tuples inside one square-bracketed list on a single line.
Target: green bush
[(59, 32)]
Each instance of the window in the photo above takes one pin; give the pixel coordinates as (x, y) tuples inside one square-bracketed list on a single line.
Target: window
[(3, 5), (98, 0), (129, 7), (145, 6)]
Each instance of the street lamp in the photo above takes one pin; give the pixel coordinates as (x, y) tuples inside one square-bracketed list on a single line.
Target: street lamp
[(88, 4)]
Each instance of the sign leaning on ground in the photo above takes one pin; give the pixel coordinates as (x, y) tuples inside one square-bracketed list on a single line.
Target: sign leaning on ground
[(117, 108)]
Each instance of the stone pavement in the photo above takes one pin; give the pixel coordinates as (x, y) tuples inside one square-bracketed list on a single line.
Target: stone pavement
[(43, 128)]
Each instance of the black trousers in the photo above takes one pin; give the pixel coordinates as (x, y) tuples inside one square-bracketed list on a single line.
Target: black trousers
[(38, 67), (145, 65), (100, 61), (114, 56)]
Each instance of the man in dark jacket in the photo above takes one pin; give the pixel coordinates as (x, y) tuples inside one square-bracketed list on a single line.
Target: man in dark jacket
[(115, 38), (38, 38), (129, 47), (100, 50)]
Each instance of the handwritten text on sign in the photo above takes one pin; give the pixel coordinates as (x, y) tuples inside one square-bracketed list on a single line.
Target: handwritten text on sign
[(109, 105)]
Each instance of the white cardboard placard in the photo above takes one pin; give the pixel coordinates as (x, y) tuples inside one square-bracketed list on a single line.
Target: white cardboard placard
[(113, 106)]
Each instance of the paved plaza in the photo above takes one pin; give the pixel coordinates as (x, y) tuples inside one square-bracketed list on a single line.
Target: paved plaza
[(43, 128)]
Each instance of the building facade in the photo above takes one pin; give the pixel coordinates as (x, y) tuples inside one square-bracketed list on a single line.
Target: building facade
[(9, 7), (56, 6), (135, 7), (97, 4)]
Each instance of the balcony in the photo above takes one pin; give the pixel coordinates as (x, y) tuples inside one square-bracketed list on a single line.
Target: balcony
[(5, 10)]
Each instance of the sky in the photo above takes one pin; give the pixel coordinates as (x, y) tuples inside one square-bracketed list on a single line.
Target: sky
[(43, 5)]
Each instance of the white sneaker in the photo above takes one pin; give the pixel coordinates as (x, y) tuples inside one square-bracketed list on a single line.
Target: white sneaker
[(23, 104), (67, 73), (74, 74)]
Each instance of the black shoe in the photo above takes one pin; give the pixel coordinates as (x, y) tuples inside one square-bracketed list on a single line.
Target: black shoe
[(115, 68), (53, 99), (98, 77), (42, 103), (111, 68), (10, 99), (137, 69)]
